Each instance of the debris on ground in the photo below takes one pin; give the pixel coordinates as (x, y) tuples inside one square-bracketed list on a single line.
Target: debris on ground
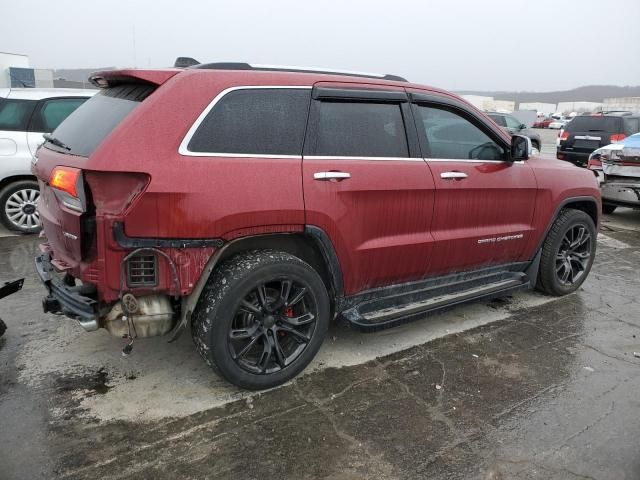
[(589, 369), (636, 354), (3, 327)]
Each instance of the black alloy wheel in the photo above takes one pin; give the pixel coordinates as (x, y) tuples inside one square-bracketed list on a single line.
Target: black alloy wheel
[(273, 325), (574, 255)]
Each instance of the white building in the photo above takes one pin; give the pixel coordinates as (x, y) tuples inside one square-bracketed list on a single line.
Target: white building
[(622, 103), (15, 71), (579, 107), (8, 60), (540, 107), (489, 103)]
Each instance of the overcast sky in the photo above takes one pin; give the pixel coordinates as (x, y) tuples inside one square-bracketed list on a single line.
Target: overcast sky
[(535, 45)]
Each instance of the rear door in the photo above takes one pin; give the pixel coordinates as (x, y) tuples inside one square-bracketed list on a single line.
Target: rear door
[(484, 204), (366, 184), (15, 158)]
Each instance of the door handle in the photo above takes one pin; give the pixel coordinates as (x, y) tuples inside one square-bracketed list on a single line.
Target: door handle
[(328, 176), (453, 175)]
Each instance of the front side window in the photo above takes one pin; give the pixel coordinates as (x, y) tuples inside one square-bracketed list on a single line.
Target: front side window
[(357, 129), (15, 114), (258, 121), (53, 112), (450, 136)]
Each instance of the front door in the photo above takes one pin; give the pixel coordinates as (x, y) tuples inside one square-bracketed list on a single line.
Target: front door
[(366, 184), (484, 203)]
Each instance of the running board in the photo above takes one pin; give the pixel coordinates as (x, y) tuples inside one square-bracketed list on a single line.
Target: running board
[(389, 311)]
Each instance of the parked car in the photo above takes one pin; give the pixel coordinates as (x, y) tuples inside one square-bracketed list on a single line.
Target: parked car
[(558, 124), (258, 204), (617, 167), (544, 123), (514, 126), (586, 133), (25, 114)]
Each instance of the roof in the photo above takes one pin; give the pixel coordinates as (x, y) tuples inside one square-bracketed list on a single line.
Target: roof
[(40, 93)]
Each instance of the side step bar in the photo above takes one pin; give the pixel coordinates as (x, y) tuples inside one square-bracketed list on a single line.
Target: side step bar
[(389, 311)]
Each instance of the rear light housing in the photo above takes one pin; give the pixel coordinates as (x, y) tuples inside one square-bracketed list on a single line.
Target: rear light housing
[(617, 137), (560, 156), (564, 135), (67, 185), (594, 164)]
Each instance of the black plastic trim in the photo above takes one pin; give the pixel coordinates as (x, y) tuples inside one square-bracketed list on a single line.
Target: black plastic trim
[(70, 300), (125, 241), (330, 257), (11, 287), (562, 205), (359, 95)]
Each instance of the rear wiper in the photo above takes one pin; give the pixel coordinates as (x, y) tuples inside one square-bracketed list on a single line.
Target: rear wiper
[(58, 143)]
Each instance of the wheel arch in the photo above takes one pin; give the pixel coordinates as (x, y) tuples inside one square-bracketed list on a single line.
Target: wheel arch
[(15, 178), (589, 205)]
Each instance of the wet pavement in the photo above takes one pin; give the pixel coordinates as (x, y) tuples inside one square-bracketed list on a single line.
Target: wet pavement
[(524, 387)]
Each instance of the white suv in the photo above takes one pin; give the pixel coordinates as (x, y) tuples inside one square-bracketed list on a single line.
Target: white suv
[(25, 115)]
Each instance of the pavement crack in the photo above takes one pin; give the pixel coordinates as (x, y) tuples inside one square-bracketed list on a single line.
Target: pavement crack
[(587, 427)]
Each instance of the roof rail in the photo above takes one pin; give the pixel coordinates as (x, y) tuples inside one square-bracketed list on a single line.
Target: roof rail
[(279, 68)]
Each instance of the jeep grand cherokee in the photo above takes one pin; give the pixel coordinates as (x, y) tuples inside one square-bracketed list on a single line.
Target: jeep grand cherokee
[(255, 205)]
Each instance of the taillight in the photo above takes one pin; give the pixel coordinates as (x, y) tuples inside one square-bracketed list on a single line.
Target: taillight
[(67, 185), (564, 136), (594, 164), (65, 179), (560, 156), (617, 137)]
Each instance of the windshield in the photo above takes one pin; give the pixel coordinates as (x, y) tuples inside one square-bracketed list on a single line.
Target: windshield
[(92, 122)]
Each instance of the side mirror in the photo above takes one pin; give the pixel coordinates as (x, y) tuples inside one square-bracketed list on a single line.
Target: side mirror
[(521, 147), (523, 126)]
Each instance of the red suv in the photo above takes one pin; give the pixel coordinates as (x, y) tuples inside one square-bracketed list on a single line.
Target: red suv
[(256, 205)]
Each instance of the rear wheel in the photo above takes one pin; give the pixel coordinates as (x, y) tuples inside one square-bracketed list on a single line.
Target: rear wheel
[(568, 253), (18, 206), (608, 209), (261, 319)]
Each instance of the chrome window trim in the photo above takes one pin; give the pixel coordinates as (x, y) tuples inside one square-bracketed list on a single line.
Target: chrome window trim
[(472, 160), (183, 148), (346, 157)]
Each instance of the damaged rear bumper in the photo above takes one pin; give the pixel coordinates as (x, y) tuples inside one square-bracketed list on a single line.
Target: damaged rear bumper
[(73, 301)]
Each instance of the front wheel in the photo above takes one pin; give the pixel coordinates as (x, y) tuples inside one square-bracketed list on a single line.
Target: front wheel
[(567, 253), (261, 318)]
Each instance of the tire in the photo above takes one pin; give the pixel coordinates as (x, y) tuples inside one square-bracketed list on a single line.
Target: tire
[(3, 327), (536, 145), (18, 202), (567, 254), (608, 209), (242, 308)]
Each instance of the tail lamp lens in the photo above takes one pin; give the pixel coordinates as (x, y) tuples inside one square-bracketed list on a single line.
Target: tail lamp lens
[(564, 135), (65, 179), (617, 137)]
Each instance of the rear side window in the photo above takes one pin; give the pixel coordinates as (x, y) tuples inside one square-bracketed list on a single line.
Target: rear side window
[(53, 112), (90, 123), (361, 130), (258, 121), (594, 124), (15, 114)]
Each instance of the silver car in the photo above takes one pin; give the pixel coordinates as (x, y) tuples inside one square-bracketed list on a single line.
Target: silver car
[(25, 115)]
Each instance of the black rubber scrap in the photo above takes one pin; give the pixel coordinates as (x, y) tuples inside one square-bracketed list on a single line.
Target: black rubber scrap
[(3, 327)]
